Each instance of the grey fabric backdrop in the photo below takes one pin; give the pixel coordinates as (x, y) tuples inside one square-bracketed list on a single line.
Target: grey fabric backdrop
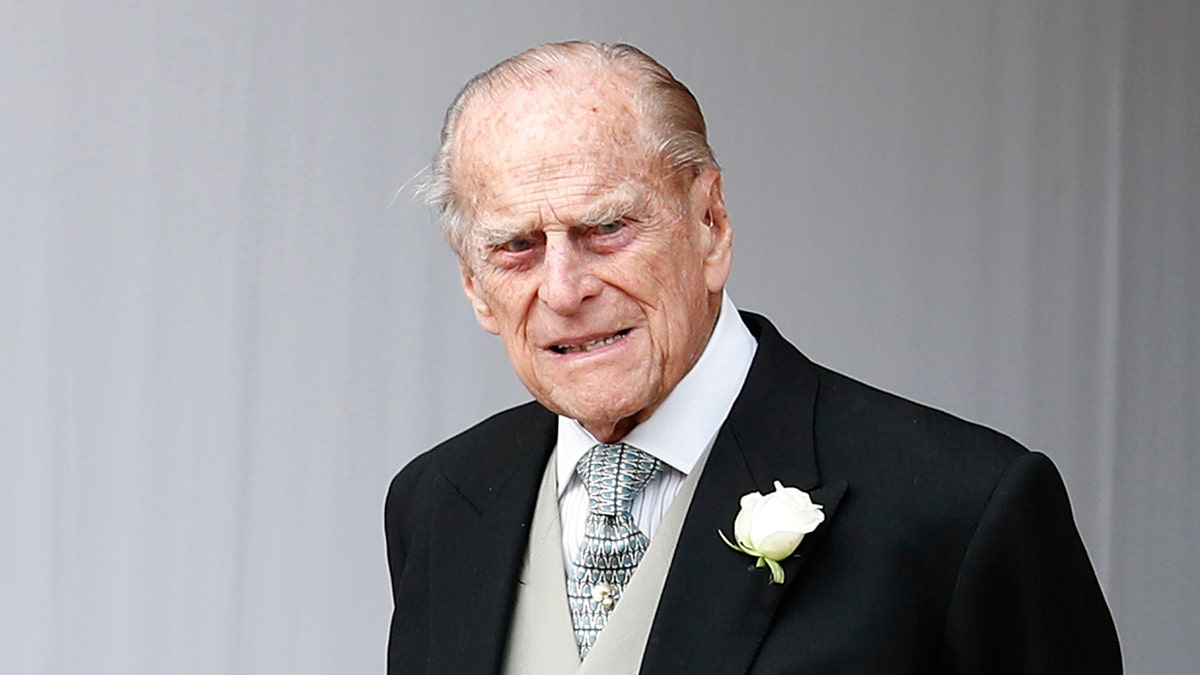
[(222, 330)]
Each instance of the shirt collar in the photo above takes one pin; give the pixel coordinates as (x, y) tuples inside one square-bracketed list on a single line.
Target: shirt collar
[(687, 421)]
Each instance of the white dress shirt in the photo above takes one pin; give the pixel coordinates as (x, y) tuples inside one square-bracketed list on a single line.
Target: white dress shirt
[(679, 432)]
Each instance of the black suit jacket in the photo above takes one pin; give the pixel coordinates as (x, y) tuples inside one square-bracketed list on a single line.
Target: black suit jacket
[(946, 548)]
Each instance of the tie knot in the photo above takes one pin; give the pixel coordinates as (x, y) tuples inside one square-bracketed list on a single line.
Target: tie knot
[(613, 474)]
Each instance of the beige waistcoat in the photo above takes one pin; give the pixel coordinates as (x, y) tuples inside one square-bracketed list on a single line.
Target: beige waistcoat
[(541, 640)]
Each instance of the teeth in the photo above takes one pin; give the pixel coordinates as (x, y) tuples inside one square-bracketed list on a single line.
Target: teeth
[(588, 346)]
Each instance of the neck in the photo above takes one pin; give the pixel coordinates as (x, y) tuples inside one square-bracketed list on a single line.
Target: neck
[(615, 431)]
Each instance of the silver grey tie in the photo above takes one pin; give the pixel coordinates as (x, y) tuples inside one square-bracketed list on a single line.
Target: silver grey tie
[(612, 543)]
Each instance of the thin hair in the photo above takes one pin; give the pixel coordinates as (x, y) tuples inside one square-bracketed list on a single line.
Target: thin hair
[(678, 137)]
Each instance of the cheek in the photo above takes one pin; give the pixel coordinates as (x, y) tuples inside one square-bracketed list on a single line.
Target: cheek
[(681, 284), (676, 303), (505, 292)]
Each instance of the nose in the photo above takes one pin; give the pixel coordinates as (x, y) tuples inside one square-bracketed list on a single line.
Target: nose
[(567, 278)]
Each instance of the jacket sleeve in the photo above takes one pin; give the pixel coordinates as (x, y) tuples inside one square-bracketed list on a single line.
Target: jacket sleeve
[(1027, 599)]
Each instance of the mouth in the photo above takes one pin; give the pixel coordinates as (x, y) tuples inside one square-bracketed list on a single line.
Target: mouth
[(589, 345)]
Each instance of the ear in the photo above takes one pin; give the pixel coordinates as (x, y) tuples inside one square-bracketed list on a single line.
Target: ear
[(483, 311), (709, 197)]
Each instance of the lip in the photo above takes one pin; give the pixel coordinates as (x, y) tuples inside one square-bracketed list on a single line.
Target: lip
[(587, 344)]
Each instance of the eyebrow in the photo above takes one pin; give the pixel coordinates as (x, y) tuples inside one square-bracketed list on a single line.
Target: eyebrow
[(610, 210), (614, 209), (488, 235)]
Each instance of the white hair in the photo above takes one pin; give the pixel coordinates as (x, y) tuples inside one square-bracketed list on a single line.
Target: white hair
[(678, 136)]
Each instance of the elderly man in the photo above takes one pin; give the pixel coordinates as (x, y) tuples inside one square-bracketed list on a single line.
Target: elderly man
[(594, 529)]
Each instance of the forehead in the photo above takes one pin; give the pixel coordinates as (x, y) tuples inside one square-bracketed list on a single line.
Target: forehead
[(552, 144)]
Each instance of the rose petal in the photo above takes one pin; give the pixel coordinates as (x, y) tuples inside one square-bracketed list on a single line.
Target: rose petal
[(778, 545), (741, 525), (777, 521), (771, 526)]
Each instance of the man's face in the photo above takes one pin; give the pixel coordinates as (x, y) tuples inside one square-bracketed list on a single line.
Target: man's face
[(601, 274)]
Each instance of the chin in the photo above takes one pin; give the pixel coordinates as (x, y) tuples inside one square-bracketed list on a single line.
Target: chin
[(593, 414)]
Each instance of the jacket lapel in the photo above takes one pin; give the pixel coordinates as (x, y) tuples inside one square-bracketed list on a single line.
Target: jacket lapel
[(483, 520), (715, 609)]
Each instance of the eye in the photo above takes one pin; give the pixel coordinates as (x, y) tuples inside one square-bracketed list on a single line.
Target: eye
[(517, 245), (609, 228)]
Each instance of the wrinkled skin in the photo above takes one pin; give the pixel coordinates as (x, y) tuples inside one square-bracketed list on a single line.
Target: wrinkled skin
[(601, 272)]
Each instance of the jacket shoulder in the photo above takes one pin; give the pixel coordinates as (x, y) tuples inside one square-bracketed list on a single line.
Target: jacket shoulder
[(866, 429), (478, 446), (906, 436), (506, 426)]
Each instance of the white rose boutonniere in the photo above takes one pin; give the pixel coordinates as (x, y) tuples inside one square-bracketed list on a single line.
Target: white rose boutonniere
[(770, 527)]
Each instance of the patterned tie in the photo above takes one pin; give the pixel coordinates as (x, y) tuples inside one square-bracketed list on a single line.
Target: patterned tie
[(612, 543)]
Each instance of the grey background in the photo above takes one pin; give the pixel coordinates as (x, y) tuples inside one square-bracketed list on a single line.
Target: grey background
[(224, 322)]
